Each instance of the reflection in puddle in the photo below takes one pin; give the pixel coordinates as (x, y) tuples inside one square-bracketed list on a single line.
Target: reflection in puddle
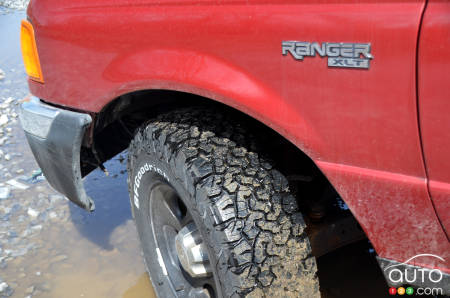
[(77, 254), (107, 284), (103, 253)]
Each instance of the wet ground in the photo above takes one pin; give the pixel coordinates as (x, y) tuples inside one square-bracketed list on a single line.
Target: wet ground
[(51, 248)]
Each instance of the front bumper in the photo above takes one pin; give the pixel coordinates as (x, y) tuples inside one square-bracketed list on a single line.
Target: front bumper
[(55, 137)]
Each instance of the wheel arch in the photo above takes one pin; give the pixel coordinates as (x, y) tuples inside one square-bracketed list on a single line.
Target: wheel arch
[(115, 126), (211, 77), (144, 104)]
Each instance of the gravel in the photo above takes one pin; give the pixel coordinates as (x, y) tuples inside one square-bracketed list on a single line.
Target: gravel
[(4, 193), (17, 185), (5, 290), (33, 213), (3, 120), (15, 4), (27, 205)]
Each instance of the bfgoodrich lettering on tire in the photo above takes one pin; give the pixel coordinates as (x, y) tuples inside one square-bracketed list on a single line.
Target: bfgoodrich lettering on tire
[(196, 174)]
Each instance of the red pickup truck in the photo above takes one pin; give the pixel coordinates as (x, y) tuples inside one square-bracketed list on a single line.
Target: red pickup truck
[(261, 134)]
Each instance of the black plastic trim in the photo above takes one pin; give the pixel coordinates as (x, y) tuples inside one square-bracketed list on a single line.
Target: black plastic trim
[(55, 137)]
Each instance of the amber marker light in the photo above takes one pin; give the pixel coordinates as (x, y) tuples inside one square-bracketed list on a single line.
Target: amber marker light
[(29, 52)]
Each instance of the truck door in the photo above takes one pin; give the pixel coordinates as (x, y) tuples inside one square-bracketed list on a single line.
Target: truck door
[(434, 103)]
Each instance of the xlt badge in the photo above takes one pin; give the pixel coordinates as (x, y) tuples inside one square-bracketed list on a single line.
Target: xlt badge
[(340, 54)]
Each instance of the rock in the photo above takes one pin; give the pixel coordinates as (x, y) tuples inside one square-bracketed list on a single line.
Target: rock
[(33, 213), (16, 4), (55, 198), (3, 287), (3, 120), (58, 259), (43, 216), (36, 228), (2, 74), (25, 233), (13, 284), (5, 290), (29, 290), (12, 234), (16, 207), (6, 217), (19, 171), (19, 252), (40, 189), (45, 287), (4, 193), (17, 184), (7, 157), (5, 209), (36, 176)]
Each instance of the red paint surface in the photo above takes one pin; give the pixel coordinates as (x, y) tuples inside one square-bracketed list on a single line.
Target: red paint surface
[(434, 103), (360, 126)]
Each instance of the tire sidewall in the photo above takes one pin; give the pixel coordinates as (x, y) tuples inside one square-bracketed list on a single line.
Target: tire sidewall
[(148, 170)]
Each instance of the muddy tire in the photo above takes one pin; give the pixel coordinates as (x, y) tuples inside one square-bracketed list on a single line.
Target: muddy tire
[(249, 224)]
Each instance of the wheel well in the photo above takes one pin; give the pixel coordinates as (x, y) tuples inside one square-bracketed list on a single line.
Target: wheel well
[(114, 128), (115, 125)]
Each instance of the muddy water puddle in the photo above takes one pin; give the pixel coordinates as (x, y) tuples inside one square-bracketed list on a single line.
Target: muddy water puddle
[(59, 250)]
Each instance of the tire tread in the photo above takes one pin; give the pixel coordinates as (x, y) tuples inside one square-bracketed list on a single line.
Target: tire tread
[(243, 200)]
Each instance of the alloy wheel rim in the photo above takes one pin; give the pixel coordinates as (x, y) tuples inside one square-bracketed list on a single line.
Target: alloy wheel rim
[(180, 250)]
